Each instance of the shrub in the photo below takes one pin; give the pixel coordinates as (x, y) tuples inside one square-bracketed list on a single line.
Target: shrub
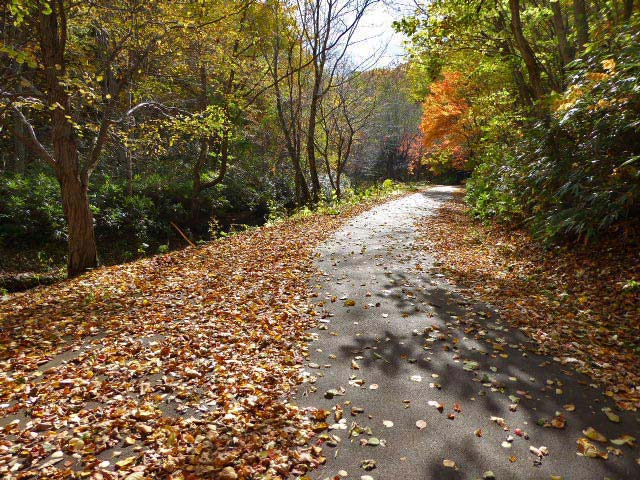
[(117, 214), (576, 172), (30, 210)]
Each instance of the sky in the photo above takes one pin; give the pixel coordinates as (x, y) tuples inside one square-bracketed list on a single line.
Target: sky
[(376, 37)]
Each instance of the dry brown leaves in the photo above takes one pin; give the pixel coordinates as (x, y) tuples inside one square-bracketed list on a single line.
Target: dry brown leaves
[(176, 366), (571, 300)]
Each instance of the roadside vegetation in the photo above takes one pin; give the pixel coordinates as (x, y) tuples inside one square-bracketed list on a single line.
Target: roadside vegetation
[(539, 102), (131, 128)]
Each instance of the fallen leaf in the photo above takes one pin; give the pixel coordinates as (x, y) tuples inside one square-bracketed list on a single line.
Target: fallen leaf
[(624, 440), (610, 415), (588, 449), (368, 464), (449, 463), (592, 434)]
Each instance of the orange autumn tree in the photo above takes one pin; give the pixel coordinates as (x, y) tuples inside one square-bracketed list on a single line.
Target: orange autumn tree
[(447, 128)]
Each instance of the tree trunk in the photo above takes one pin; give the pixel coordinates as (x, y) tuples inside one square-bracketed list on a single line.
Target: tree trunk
[(73, 179), (564, 49), (582, 23), (533, 68), (327, 165), (82, 245), (627, 10), (524, 92), (311, 138), (303, 194)]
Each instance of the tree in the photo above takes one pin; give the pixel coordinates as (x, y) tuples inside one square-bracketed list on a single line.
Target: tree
[(287, 64), (582, 23), (344, 114), (328, 28), (117, 56), (529, 57), (447, 130)]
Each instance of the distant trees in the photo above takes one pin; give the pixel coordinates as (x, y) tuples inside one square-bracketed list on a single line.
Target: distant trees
[(328, 27), (306, 66), (343, 116), (390, 143), (447, 130)]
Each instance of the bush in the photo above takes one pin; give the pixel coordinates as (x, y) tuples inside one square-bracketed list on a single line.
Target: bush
[(576, 172), (582, 164), (491, 189), (117, 214), (30, 210)]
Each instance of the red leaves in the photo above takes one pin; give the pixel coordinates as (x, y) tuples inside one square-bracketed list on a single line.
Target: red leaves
[(445, 124)]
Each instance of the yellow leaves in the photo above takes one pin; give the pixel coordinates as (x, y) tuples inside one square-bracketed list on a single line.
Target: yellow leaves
[(228, 473), (610, 415), (569, 98), (76, 444), (135, 476), (597, 76), (592, 434), (144, 413), (588, 449), (609, 65), (624, 440), (126, 462)]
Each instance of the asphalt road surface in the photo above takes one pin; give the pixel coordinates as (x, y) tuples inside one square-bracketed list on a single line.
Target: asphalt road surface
[(398, 346)]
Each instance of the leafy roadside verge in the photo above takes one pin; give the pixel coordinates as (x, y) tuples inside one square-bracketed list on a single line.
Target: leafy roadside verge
[(178, 366), (580, 304)]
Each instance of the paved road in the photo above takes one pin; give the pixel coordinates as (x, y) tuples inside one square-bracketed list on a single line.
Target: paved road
[(411, 335)]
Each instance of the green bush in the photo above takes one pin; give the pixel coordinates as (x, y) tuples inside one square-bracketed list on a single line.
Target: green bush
[(30, 209), (490, 190), (117, 214), (576, 172)]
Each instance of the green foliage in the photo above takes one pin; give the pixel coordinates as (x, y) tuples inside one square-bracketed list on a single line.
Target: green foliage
[(571, 169), (631, 286), (388, 184), (490, 196), (117, 214), (30, 210)]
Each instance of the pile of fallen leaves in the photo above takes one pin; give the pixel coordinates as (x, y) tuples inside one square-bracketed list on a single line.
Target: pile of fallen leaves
[(176, 366), (580, 303)]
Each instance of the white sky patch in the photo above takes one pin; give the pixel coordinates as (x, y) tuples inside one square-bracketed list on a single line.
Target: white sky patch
[(376, 38)]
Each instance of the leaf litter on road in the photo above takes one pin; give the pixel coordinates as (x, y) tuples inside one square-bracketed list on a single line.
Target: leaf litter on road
[(183, 362)]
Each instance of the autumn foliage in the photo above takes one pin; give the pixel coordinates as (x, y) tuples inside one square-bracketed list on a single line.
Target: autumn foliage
[(445, 123)]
